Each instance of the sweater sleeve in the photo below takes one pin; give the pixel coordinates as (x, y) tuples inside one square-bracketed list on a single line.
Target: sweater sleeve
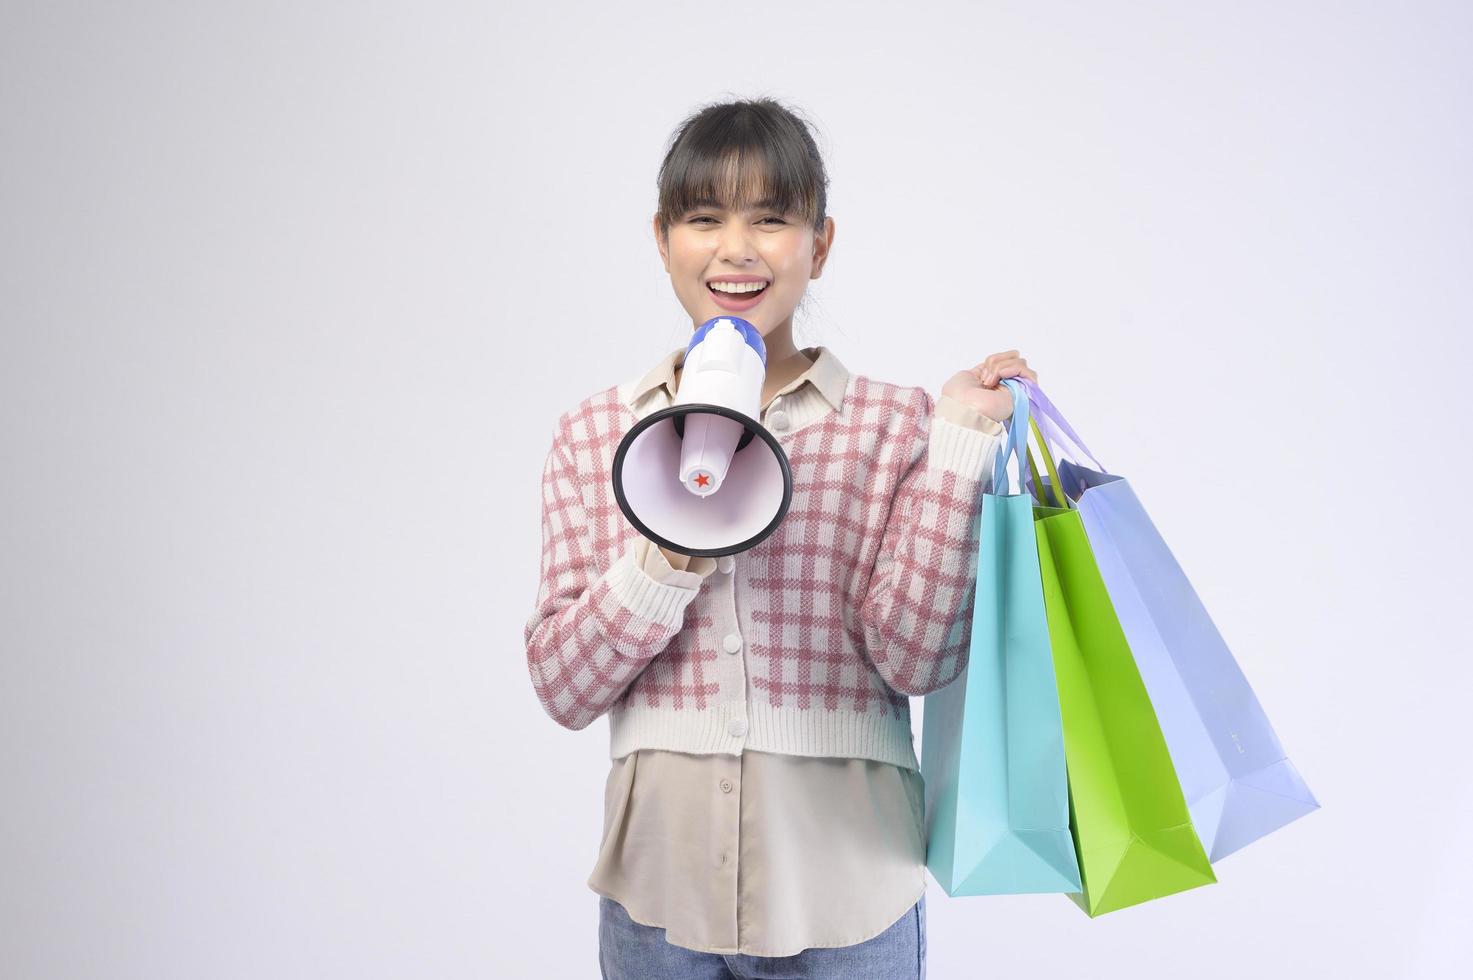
[(590, 633), (917, 610)]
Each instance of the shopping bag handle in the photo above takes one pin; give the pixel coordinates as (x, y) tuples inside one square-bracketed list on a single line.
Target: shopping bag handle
[(1050, 421), (1049, 416), (1053, 472), (1045, 410), (1017, 441), (1019, 424)]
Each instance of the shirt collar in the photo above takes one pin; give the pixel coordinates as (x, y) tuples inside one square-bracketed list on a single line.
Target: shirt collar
[(827, 374)]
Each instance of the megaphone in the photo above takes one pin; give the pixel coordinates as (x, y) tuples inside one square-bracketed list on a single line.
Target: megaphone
[(703, 477)]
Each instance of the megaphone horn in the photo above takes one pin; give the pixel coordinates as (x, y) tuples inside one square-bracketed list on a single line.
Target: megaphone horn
[(703, 476)]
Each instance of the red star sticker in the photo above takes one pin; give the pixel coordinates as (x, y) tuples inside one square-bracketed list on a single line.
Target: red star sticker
[(702, 480)]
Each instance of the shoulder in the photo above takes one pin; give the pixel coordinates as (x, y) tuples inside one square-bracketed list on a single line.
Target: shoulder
[(887, 406), (592, 418)]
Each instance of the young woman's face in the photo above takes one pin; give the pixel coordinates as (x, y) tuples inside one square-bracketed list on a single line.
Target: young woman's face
[(762, 245)]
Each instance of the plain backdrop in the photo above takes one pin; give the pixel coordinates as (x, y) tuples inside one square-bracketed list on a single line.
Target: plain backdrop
[(293, 293)]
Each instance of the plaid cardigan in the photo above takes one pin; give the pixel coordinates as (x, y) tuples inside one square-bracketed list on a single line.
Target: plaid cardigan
[(860, 599)]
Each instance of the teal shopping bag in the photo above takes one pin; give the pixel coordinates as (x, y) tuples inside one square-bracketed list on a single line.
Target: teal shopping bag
[(992, 741)]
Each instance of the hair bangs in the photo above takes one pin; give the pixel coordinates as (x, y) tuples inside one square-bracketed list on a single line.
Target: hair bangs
[(739, 157)]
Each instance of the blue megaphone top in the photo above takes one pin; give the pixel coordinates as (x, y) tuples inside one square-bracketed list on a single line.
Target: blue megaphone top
[(749, 334)]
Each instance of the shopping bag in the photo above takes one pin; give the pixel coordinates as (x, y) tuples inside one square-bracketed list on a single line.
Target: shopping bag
[(992, 741), (1132, 832), (1238, 782)]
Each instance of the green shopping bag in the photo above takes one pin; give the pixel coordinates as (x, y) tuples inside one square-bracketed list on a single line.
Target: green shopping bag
[(1132, 832)]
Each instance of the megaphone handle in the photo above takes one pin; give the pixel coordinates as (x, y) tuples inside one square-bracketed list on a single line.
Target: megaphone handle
[(747, 434)]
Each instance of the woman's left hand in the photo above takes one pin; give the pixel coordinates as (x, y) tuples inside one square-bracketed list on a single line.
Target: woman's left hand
[(981, 387)]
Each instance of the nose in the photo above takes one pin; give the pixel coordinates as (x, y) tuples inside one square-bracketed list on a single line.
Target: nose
[(735, 245)]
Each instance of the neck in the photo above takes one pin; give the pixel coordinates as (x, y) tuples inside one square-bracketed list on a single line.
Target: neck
[(779, 343), (784, 360)]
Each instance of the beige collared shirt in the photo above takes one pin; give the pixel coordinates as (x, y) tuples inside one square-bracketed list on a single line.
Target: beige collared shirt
[(762, 853)]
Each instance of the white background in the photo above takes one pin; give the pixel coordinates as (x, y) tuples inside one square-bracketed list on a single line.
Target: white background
[(292, 294)]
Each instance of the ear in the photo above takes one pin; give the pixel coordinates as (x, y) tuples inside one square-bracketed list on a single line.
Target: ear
[(822, 242), (661, 243)]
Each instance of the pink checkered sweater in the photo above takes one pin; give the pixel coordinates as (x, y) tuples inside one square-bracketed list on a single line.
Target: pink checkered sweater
[(859, 600)]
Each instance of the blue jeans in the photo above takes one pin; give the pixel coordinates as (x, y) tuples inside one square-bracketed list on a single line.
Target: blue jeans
[(628, 950)]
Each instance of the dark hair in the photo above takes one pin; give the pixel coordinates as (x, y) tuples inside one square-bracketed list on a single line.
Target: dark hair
[(741, 154)]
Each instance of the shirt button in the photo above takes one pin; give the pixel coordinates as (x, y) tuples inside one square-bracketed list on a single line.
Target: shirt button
[(726, 563), (778, 420), (738, 727), (732, 643), (723, 859), (726, 786)]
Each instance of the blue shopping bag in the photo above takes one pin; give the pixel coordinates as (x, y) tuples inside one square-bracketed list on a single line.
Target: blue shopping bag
[(1238, 783), (992, 741)]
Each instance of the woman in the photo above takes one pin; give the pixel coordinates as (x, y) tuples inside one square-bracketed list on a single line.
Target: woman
[(763, 813)]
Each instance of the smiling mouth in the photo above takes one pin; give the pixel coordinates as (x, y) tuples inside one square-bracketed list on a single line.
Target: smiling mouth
[(737, 297)]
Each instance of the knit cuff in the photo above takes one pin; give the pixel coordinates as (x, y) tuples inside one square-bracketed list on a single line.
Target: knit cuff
[(961, 440), (645, 596)]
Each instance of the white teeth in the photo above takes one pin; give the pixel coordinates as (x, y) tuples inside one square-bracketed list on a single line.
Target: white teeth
[(737, 287)]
